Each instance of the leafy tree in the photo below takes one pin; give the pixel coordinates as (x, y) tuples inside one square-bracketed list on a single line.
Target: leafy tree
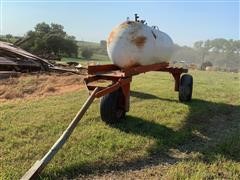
[(58, 30), (206, 64), (50, 41), (70, 47), (202, 48), (186, 54), (198, 44), (103, 44), (42, 28), (9, 36), (87, 53)]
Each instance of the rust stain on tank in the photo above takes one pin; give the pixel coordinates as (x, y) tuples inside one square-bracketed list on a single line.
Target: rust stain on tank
[(122, 26), (111, 37), (139, 41)]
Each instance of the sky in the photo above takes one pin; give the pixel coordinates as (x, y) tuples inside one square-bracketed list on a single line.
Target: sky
[(185, 21)]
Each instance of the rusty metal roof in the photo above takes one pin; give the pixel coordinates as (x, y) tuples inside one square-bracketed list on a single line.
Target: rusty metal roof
[(11, 55), (13, 58), (18, 62), (10, 48)]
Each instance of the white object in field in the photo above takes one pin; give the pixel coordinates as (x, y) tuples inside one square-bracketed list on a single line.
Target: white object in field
[(209, 68), (79, 66), (134, 43)]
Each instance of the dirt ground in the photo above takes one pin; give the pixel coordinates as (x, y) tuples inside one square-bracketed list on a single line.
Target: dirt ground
[(39, 85)]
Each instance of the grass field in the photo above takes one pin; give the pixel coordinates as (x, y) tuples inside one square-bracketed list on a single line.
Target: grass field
[(160, 137)]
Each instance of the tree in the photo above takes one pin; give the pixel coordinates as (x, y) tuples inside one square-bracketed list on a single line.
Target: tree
[(8, 36), (57, 29), (202, 48), (70, 47), (186, 54), (42, 28), (50, 41), (103, 44), (87, 53), (206, 64), (198, 44)]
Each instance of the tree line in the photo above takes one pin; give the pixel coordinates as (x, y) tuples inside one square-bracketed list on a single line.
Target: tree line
[(221, 53), (52, 42)]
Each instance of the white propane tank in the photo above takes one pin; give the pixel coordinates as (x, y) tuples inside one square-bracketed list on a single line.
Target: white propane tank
[(134, 43)]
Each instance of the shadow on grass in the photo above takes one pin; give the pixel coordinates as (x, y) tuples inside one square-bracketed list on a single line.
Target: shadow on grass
[(217, 133), (210, 128), (143, 95)]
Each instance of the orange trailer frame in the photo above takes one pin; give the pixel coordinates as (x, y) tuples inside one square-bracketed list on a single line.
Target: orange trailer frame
[(121, 78)]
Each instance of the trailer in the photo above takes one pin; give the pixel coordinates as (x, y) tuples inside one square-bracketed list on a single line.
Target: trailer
[(115, 98)]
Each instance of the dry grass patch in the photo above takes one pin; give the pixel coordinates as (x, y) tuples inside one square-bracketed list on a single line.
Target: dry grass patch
[(39, 85)]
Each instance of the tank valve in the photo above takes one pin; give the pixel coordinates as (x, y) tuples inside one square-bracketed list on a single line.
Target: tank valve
[(136, 17)]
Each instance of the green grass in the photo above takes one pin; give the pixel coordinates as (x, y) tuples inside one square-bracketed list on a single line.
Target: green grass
[(197, 140)]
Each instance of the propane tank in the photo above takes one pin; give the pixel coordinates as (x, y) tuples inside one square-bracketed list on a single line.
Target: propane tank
[(134, 43)]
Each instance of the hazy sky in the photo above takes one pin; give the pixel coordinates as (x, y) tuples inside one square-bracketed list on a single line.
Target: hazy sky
[(186, 22)]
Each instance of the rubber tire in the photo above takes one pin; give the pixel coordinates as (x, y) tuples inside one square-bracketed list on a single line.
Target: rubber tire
[(185, 88), (110, 109)]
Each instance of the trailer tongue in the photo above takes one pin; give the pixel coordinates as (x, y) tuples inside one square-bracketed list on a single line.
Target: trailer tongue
[(115, 99), (39, 165)]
